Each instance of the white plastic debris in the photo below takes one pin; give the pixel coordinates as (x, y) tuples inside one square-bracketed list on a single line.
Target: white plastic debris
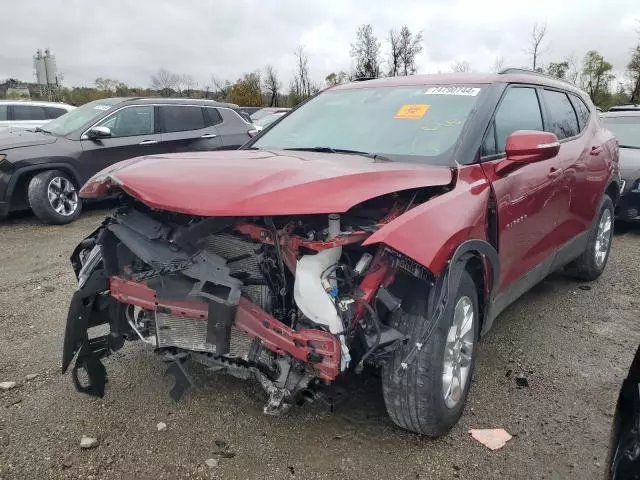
[(161, 426), (211, 462), (88, 442), (31, 376), (491, 438), (7, 385)]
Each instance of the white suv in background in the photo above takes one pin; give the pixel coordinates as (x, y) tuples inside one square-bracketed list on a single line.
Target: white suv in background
[(28, 114)]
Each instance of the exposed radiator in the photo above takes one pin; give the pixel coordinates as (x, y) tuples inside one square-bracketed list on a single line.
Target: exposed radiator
[(191, 333)]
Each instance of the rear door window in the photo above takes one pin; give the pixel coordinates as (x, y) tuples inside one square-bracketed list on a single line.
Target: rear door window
[(518, 110), (178, 118), (563, 120), (29, 112)]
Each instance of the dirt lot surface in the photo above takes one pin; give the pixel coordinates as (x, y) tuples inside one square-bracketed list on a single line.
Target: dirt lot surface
[(574, 345)]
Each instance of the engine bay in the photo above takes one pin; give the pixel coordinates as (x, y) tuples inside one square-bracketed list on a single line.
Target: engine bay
[(291, 301)]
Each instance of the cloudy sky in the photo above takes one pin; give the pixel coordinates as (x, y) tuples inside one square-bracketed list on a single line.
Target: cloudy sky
[(130, 40)]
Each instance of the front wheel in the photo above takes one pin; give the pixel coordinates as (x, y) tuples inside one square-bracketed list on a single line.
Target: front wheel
[(53, 197), (429, 396), (591, 263)]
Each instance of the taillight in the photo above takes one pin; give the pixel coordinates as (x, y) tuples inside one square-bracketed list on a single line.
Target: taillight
[(252, 133)]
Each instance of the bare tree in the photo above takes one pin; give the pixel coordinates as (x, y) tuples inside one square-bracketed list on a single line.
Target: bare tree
[(535, 43), (395, 60), (164, 81), (271, 85), (498, 65), (221, 88), (574, 68), (187, 83), (461, 67), (410, 48), (301, 82), (366, 52)]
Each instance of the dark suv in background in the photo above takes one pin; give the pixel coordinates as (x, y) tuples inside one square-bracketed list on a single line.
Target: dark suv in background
[(43, 168)]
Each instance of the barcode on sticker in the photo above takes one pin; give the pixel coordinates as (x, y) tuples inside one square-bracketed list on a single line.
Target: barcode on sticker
[(453, 90)]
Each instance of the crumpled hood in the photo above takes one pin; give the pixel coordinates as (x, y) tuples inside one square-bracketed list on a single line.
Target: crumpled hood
[(17, 137), (259, 182)]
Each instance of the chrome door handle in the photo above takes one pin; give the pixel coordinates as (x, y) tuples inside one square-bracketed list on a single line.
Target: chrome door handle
[(208, 135), (148, 142)]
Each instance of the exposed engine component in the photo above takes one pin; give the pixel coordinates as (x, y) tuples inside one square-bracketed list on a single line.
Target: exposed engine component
[(288, 301)]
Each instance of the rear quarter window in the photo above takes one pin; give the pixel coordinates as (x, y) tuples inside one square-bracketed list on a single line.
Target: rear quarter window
[(3, 112), (563, 120), (55, 112), (581, 110)]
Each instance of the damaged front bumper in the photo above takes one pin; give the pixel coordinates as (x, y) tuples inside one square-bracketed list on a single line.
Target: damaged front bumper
[(195, 286)]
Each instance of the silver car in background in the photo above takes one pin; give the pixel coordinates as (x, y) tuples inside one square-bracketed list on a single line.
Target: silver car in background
[(29, 114)]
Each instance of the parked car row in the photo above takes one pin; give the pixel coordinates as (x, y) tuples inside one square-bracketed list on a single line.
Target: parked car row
[(384, 223)]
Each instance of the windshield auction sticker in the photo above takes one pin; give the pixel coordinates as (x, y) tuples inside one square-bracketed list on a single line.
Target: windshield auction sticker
[(453, 90), (413, 111)]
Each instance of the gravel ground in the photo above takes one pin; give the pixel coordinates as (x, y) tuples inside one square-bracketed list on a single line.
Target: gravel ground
[(574, 346)]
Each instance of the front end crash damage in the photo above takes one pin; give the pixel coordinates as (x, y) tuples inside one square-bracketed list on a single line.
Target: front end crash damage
[(290, 301)]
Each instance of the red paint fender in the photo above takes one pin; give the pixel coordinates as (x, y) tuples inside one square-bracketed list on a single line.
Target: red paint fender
[(430, 233)]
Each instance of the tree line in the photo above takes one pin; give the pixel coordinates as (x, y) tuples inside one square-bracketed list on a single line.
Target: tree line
[(402, 48)]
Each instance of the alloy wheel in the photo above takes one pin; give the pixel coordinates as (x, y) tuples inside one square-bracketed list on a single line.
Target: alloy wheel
[(63, 196)]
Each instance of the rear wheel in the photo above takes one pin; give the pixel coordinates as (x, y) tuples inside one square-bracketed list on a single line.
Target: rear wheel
[(429, 396), (593, 260), (53, 197)]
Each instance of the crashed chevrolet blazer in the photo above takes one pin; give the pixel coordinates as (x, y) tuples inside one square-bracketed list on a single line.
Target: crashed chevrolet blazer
[(381, 224)]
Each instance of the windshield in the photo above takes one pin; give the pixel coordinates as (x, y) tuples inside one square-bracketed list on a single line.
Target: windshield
[(75, 119), (626, 129), (413, 123), (268, 120)]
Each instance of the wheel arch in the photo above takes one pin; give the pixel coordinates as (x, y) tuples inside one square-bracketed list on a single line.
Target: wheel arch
[(16, 194)]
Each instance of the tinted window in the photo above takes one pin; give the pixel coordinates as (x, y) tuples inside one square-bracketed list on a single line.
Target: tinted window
[(54, 112), (211, 116), (519, 110), (131, 121), (408, 123), (28, 112), (3, 112), (180, 119), (582, 110), (563, 121)]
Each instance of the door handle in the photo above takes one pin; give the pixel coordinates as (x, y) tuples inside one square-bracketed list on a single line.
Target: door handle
[(208, 135), (596, 150), (554, 173), (148, 142)]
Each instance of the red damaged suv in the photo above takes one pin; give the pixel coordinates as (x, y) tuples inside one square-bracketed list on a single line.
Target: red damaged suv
[(385, 222)]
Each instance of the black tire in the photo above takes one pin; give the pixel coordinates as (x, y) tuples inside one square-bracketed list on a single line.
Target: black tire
[(43, 208), (415, 397), (585, 267)]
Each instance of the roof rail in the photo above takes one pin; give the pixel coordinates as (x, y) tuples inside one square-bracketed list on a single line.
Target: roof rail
[(363, 79), (531, 72)]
